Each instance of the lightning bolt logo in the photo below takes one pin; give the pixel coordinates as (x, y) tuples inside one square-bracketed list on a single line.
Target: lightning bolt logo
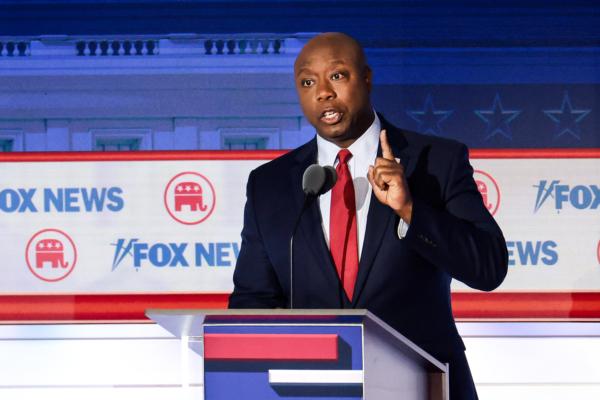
[(121, 251), (544, 192)]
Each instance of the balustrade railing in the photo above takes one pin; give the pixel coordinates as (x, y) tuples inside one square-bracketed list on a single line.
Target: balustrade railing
[(147, 45), (11, 48), (113, 47), (234, 46)]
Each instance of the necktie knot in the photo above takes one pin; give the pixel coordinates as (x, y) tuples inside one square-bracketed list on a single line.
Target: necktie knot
[(344, 155)]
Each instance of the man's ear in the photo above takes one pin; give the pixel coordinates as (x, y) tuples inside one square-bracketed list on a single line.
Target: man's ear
[(368, 75)]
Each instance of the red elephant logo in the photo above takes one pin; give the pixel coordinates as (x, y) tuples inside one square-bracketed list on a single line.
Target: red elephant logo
[(483, 190), (189, 194), (489, 190), (189, 198), (50, 250), (51, 255)]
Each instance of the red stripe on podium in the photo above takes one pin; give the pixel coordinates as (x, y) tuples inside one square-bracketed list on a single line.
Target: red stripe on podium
[(282, 347)]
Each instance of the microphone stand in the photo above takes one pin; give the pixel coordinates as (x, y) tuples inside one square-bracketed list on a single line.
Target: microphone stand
[(307, 200), (316, 180)]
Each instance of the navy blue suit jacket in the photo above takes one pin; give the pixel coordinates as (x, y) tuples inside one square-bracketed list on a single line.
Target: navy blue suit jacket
[(406, 282)]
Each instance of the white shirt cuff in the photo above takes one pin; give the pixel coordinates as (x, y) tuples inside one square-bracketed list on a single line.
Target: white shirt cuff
[(402, 229)]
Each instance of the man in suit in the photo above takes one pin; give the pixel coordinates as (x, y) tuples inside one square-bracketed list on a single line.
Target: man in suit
[(404, 218)]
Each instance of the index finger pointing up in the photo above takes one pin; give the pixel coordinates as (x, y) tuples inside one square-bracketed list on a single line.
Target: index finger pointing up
[(386, 149)]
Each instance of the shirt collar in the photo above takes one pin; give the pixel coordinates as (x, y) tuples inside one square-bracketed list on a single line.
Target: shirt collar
[(364, 148)]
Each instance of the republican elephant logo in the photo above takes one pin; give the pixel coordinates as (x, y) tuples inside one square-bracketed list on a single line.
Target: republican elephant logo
[(189, 194), (50, 251), (483, 190), (189, 198), (489, 190), (51, 255)]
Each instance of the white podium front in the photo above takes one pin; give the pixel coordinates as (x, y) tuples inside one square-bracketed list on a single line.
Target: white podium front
[(308, 354)]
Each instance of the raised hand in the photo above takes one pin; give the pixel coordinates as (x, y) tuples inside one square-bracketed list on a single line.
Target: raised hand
[(389, 182)]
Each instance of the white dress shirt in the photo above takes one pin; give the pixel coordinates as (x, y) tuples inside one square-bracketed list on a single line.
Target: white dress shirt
[(364, 153)]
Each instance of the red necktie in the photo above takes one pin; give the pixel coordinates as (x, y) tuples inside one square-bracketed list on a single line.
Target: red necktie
[(342, 225)]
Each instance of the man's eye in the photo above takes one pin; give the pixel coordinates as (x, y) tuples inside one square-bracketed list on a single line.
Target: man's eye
[(337, 76), (307, 82)]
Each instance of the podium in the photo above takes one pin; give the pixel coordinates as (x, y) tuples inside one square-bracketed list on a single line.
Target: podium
[(305, 354)]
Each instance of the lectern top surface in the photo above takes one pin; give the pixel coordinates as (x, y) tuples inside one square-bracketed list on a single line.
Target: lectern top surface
[(189, 321), (262, 312)]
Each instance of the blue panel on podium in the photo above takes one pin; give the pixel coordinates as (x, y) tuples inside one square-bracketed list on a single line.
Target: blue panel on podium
[(231, 375)]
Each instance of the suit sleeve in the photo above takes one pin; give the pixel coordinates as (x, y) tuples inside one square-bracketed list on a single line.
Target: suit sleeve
[(255, 282), (461, 238)]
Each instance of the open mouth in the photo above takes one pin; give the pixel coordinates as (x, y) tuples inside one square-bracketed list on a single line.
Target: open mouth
[(331, 116)]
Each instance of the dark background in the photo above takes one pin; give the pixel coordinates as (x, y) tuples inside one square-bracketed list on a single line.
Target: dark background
[(500, 74)]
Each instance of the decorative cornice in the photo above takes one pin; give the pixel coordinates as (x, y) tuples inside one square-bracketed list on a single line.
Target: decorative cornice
[(152, 45), (232, 58)]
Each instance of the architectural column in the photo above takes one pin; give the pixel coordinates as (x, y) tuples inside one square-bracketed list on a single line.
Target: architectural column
[(57, 135), (185, 134)]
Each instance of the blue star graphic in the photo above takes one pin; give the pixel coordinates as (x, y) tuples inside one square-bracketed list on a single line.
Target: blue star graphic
[(497, 119), (429, 119), (567, 119)]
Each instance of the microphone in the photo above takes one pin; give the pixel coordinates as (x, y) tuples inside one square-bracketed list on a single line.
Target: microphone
[(316, 181)]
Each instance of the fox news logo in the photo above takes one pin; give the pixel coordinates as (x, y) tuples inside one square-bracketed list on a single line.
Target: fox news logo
[(62, 200), (532, 253), (581, 197), (212, 254)]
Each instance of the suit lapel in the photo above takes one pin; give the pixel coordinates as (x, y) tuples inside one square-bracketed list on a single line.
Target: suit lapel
[(378, 218), (379, 215), (310, 227)]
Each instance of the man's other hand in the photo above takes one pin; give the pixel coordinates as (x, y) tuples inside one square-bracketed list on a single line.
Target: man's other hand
[(389, 182)]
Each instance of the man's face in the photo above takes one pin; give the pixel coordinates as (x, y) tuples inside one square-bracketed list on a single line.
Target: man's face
[(333, 85)]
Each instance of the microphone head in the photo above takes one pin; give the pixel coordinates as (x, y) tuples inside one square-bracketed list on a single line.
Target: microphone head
[(313, 179), (330, 179), (318, 180)]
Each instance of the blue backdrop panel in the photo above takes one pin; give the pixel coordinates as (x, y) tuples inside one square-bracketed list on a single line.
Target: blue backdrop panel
[(497, 116)]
